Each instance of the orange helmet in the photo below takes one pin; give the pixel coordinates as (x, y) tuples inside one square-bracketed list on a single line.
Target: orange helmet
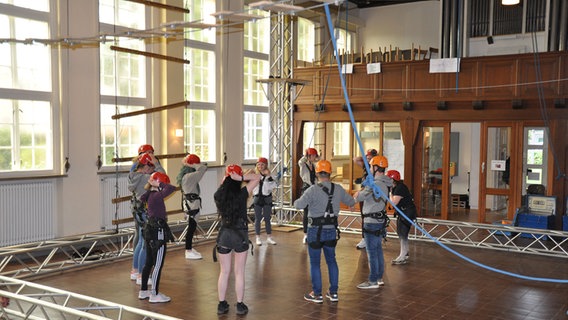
[(393, 174), (262, 160), (191, 159), (160, 177), (145, 159), (310, 151), (145, 148), (323, 166), (372, 153), (379, 161), (234, 169)]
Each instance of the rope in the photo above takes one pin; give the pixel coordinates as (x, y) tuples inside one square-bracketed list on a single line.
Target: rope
[(378, 193)]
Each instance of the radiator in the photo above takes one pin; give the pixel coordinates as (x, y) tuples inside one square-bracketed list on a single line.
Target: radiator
[(27, 212), (114, 187)]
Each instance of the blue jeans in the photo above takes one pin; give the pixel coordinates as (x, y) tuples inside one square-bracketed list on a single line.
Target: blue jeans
[(375, 251), (315, 260), (139, 258)]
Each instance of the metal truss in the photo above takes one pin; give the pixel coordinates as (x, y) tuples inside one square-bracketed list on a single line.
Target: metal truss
[(33, 260), (476, 235), (34, 301)]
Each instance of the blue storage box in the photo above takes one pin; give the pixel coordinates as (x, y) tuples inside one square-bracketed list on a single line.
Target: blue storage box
[(534, 221), (565, 223)]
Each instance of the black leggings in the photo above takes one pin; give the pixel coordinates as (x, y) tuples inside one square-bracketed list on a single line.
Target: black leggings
[(191, 227), (155, 258)]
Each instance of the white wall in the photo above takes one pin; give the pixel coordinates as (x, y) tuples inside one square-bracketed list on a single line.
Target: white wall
[(401, 25)]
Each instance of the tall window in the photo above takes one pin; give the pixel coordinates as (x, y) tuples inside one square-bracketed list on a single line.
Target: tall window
[(490, 17), (256, 66), (26, 125), (306, 40), (200, 83), (344, 40), (123, 81)]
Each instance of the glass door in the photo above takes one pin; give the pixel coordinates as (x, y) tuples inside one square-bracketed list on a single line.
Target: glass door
[(535, 151), (495, 193), (435, 170)]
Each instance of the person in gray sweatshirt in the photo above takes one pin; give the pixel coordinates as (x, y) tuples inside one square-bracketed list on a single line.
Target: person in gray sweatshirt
[(145, 164), (375, 221), (322, 200)]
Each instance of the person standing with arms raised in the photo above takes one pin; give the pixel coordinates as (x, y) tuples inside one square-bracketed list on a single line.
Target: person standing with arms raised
[(308, 176)]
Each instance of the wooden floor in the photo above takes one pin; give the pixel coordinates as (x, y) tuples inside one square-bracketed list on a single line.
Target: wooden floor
[(434, 285)]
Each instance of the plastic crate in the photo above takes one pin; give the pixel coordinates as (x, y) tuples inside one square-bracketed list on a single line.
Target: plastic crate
[(534, 221), (564, 223)]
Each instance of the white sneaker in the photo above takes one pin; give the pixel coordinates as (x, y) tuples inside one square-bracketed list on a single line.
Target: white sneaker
[(144, 294), (192, 254), (362, 244), (133, 275), (269, 240), (159, 298), (258, 242), (305, 240)]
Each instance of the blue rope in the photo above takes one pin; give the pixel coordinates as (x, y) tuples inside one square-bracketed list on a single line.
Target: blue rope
[(377, 191)]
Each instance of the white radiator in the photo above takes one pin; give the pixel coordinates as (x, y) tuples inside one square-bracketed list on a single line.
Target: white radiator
[(27, 212), (112, 211)]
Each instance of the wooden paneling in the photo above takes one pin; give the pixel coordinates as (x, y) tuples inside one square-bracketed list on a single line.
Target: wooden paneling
[(547, 70), (329, 84), (363, 85), (309, 92), (393, 85), (497, 79), (422, 84), (460, 86)]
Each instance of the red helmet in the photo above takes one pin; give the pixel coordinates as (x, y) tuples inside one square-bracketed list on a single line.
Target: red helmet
[(262, 160), (145, 159), (145, 148), (160, 177), (371, 152), (310, 151), (393, 174), (234, 169), (191, 159)]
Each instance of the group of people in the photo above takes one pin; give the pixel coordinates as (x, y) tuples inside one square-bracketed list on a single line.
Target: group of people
[(321, 200), (150, 186)]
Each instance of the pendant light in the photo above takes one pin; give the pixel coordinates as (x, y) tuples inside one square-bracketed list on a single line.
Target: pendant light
[(509, 2)]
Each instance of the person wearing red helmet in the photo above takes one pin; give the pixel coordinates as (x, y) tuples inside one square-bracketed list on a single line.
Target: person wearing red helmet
[(403, 199), (142, 150), (262, 201), (232, 239), (376, 221), (145, 165), (156, 233), (308, 176), (359, 161), (191, 172), (323, 200)]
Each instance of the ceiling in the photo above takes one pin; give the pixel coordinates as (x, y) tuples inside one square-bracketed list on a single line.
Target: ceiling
[(361, 4)]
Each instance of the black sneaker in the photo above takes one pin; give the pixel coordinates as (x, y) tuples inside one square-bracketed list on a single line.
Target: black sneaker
[(313, 297), (222, 307), (242, 308)]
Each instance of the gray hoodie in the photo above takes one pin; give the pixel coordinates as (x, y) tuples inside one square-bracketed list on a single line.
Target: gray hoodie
[(137, 180), (372, 204)]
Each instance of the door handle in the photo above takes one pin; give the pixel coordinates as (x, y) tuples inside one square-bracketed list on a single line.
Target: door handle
[(483, 167)]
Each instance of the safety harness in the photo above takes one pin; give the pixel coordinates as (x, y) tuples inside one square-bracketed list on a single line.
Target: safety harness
[(138, 210), (329, 218), (185, 203), (378, 215)]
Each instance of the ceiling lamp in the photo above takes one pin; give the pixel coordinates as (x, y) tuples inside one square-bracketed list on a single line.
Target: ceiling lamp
[(509, 2)]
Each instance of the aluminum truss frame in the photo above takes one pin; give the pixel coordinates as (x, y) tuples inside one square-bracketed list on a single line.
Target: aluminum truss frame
[(34, 301)]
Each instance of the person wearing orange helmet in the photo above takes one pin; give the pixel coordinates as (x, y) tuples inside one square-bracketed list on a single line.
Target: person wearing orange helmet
[(376, 221), (403, 199), (191, 172), (262, 200), (308, 176), (156, 233), (323, 200), (145, 165), (359, 161), (232, 239)]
